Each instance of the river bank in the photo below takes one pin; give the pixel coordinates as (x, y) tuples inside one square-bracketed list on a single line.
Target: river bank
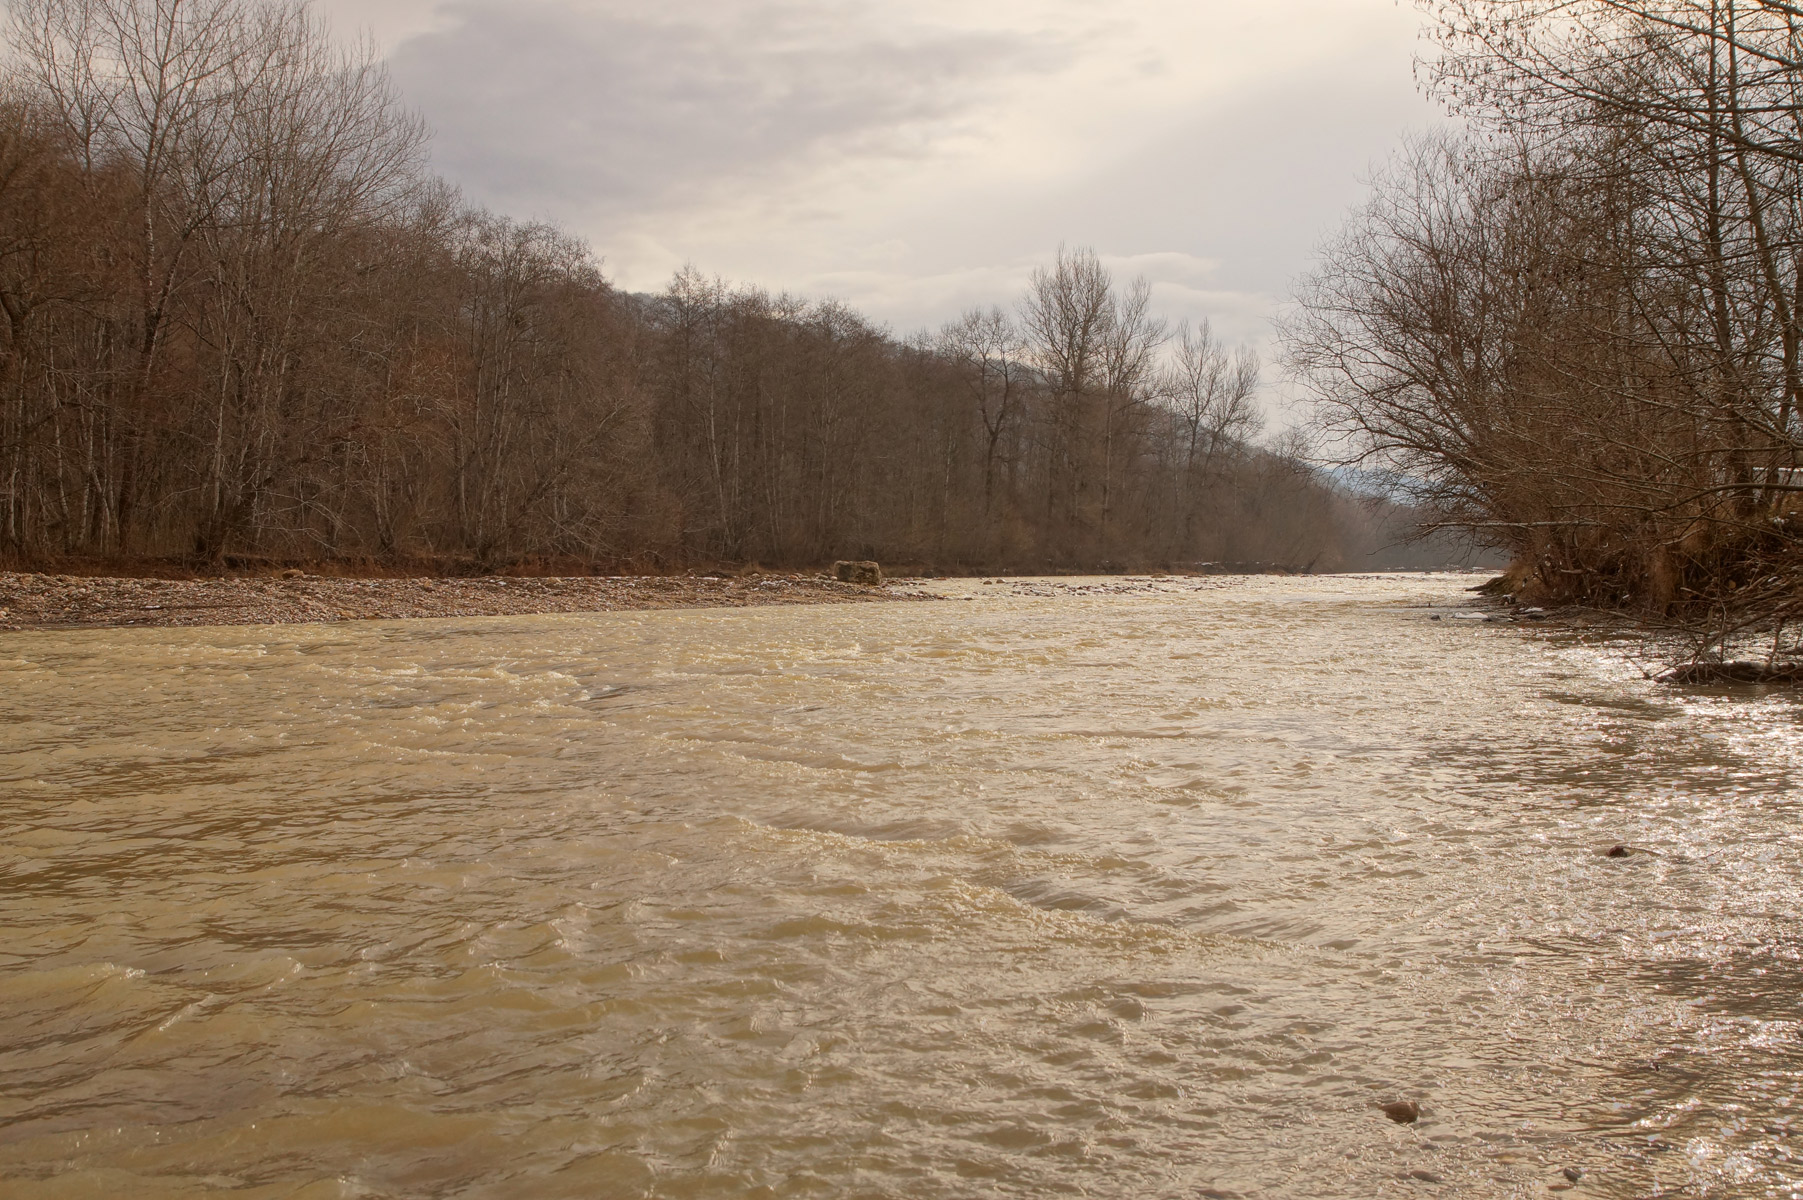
[(31, 601)]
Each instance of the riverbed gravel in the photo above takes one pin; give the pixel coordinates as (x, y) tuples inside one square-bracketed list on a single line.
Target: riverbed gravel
[(33, 601)]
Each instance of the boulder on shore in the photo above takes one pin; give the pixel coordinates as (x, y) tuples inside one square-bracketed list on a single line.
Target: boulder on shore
[(858, 572)]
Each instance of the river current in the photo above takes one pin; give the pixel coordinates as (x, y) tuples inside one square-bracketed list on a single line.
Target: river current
[(1053, 888)]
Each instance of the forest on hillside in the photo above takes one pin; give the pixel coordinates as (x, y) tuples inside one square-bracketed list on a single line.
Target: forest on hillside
[(241, 320), (1574, 324)]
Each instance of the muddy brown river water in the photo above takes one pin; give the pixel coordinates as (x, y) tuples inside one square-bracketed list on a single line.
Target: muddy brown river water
[(1052, 889)]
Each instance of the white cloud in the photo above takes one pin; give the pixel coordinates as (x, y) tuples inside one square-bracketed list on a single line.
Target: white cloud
[(914, 157), (612, 114)]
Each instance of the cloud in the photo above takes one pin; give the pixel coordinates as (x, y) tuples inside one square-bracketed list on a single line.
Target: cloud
[(612, 109), (918, 157)]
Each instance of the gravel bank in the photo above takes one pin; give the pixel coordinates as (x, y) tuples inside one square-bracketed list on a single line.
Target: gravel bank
[(72, 601)]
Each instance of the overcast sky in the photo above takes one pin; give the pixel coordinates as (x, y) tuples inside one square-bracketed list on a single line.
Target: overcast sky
[(915, 157)]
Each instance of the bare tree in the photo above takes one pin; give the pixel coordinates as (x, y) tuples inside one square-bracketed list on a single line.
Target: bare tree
[(1213, 391), (989, 352), (1575, 332)]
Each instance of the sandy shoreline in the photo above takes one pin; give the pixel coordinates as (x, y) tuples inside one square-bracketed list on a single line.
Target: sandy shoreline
[(73, 602)]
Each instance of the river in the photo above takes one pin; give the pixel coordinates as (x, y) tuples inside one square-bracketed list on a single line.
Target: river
[(1053, 888)]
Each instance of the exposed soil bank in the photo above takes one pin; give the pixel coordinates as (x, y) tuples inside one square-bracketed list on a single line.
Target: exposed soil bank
[(65, 601)]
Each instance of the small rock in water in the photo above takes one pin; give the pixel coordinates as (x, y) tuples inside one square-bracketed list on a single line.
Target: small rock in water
[(1618, 852), (1403, 1112), (1573, 1174)]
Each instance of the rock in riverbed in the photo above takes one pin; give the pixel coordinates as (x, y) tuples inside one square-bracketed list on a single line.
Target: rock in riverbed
[(858, 572), (1403, 1112)]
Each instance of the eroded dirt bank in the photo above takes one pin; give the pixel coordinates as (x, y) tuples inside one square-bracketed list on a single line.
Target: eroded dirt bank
[(63, 601)]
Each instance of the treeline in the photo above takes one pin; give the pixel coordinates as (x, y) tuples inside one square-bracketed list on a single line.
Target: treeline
[(1576, 328), (242, 321)]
